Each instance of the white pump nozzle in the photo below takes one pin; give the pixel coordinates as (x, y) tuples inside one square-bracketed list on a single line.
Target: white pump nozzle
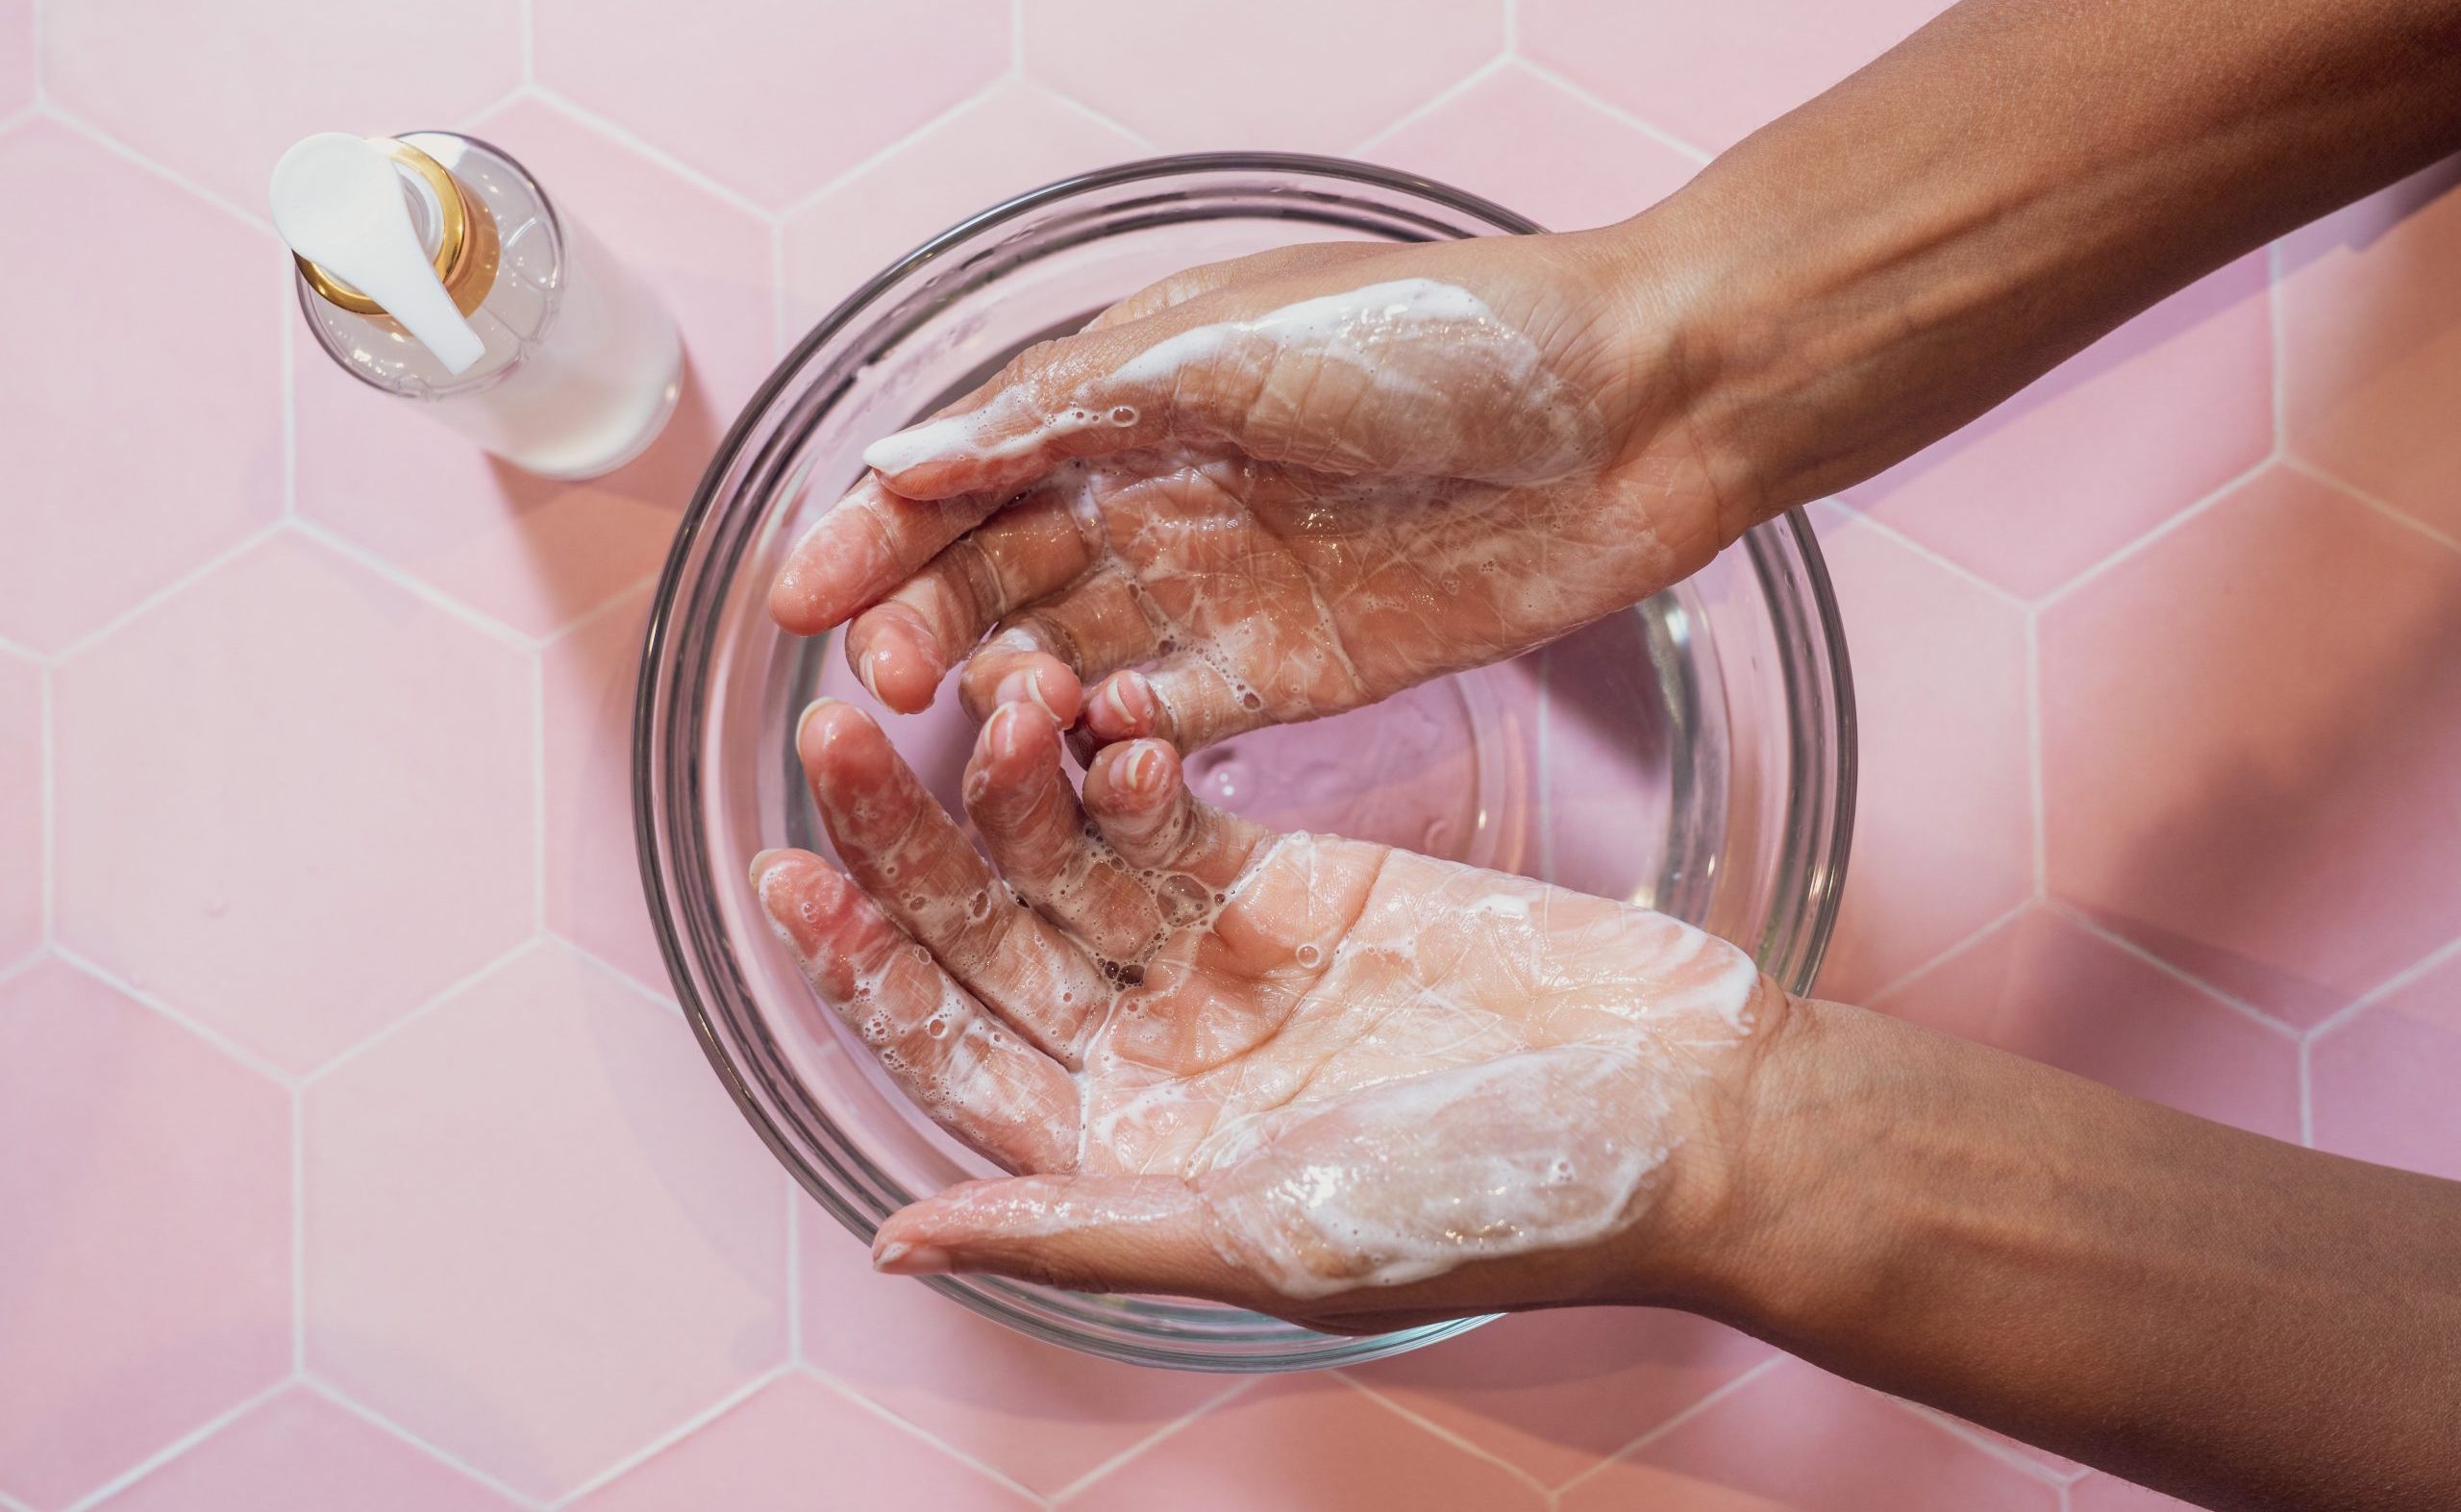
[(338, 201)]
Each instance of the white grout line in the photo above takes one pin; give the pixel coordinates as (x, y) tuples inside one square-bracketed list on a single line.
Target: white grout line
[(1512, 28), (2357, 495), (779, 342), (1432, 104), (2281, 347), (624, 136), (9, 123), (538, 790), (1661, 1431), (622, 598), (1955, 569), (485, 624), (2159, 533), (1474, 1449), (1136, 1450), (1964, 942), (119, 149), (2034, 760), (637, 1458), (48, 729), (289, 356), (925, 1436), (2169, 968), (1658, 134), (25, 652), (794, 1273), (10, 1504), (212, 1036), (418, 1011), (377, 1420), (23, 965), (178, 1447), (1997, 1449), (1144, 142), (169, 590), (656, 997), (2384, 989), (2307, 1092), (954, 112), (298, 1231)]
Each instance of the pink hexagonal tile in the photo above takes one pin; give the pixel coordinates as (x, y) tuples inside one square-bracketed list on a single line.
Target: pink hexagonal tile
[(145, 1256), (1943, 818), (2110, 1494), (1012, 140), (16, 54), (1530, 146), (299, 1452), (769, 97), (1801, 1440), (2371, 339), (594, 879), (1286, 75), (2045, 988), (219, 92), (1302, 1443), (1042, 1415), (538, 1233), (796, 1444), (1712, 74), (294, 800), (2112, 442), (535, 553), (1557, 1392), (2383, 1083), (2251, 741), (100, 518), (20, 809)]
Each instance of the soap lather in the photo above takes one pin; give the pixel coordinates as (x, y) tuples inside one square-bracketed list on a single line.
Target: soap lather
[(431, 266)]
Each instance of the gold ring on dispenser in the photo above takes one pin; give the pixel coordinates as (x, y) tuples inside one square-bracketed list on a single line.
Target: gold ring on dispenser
[(466, 251)]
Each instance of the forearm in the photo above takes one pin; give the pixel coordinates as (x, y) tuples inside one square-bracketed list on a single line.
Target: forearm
[(2224, 1316), (1872, 270)]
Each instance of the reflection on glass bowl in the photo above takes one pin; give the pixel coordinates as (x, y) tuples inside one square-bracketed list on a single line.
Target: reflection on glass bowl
[(1694, 754)]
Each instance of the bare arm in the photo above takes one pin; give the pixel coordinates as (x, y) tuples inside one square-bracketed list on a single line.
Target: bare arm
[(2226, 1317), (1874, 270)]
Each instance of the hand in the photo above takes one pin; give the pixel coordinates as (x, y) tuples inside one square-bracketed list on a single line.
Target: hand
[(1291, 485), (1319, 1077)]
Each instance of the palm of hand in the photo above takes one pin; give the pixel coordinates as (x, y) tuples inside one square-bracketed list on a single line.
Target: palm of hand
[(1288, 1065)]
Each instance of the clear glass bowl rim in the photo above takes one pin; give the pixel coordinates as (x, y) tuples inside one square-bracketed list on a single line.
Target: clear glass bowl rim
[(1006, 1303)]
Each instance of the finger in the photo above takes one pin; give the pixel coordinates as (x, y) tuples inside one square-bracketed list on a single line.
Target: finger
[(1088, 1233), (1185, 700), (1029, 820), (909, 855), (975, 1079), (1099, 625), (904, 645), (868, 542), (1138, 796)]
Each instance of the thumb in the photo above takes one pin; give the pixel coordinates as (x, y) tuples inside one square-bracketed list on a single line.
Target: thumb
[(1086, 1233)]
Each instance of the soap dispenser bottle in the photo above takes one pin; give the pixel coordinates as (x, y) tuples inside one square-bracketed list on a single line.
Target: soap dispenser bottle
[(433, 267)]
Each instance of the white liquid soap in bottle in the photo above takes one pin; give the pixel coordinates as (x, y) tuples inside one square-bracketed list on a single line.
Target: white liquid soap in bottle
[(433, 267)]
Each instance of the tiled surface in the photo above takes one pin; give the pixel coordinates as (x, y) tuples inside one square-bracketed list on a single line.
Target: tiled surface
[(354, 1156)]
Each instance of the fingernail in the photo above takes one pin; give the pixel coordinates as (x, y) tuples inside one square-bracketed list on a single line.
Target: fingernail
[(918, 444), (1138, 768), (1023, 686), (804, 718), (864, 665), (761, 865), (913, 1259)]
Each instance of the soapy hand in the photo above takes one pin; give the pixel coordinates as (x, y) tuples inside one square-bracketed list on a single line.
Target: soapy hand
[(1319, 1077), (1283, 486)]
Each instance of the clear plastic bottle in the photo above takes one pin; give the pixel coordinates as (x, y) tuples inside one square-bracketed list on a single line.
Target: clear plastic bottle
[(581, 365)]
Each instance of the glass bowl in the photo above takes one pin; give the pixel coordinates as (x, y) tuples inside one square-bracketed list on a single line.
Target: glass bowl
[(1695, 755)]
